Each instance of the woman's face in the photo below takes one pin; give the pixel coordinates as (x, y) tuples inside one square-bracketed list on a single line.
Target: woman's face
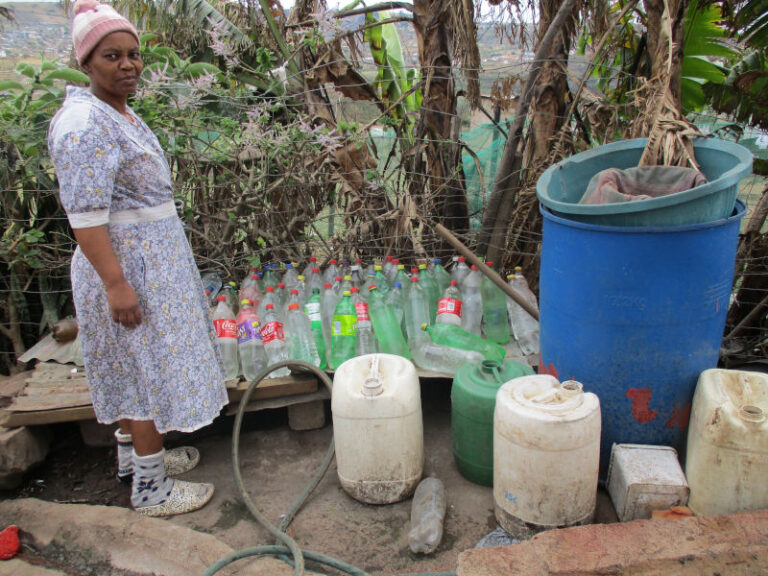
[(114, 67)]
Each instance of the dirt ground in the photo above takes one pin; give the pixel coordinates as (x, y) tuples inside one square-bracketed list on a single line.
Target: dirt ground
[(277, 464)]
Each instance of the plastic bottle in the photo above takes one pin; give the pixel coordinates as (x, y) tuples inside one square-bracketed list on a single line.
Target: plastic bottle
[(312, 308), (447, 335), (370, 270), (401, 276), (293, 298), (315, 279), (328, 303), (273, 335), (433, 290), (495, 321), (230, 291), (226, 335), (427, 516), (395, 298), (356, 274), (381, 280), (308, 268), (416, 312), (269, 298), (346, 284), (270, 276), (301, 341), (524, 327), (301, 285), (331, 271), (366, 341), (290, 277), (253, 358), (211, 285), (337, 285), (343, 331), (249, 290), (449, 307), (440, 274), (460, 271), (386, 325), (443, 359), (472, 303), (388, 268)]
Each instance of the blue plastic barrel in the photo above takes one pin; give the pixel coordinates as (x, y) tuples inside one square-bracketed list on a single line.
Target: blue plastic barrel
[(636, 314)]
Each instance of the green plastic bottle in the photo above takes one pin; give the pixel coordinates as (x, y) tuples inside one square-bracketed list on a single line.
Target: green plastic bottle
[(456, 337), (433, 291), (380, 280), (386, 326), (343, 331), (473, 400), (495, 317), (312, 309)]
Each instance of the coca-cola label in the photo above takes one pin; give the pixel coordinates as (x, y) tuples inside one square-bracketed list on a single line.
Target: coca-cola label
[(449, 306), (272, 331), (312, 309), (344, 325), (362, 312), (225, 328), (247, 331)]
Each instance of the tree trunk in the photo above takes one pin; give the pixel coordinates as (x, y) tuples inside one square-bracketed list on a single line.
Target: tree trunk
[(436, 152)]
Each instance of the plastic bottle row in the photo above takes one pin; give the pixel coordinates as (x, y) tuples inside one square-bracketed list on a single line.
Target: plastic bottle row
[(412, 316)]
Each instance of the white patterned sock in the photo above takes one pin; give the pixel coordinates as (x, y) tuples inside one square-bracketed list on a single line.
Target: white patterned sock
[(124, 455), (151, 486)]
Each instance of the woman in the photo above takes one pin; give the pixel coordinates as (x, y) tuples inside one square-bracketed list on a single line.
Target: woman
[(148, 343)]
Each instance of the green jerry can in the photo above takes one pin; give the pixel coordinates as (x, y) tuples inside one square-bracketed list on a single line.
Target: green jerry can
[(473, 400)]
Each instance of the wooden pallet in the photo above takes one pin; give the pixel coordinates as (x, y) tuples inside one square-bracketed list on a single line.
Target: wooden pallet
[(55, 393)]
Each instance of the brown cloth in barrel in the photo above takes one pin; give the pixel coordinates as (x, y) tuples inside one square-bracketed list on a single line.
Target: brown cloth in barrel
[(642, 183)]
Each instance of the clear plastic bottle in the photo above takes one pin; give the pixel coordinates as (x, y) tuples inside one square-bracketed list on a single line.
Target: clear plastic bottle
[(313, 310), (392, 273), (270, 276), (299, 334), (449, 307), (328, 303), (331, 271), (356, 274), (524, 327), (495, 321), (440, 274), (346, 284), (443, 359), (395, 298), (343, 331), (387, 268), (250, 290), (315, 280), (401, 276), (226, 335), (301, 285), (290, 276), (416, 312), (230, 291), (472, 304), (273, 335), (381, 280), (281, 298), (308, 268), (337, 281), (253, 358), (433, 291), (269, 298), (427, 516), (455, 337), (211, 285), (460, 271), (366, 341), (386, 326)]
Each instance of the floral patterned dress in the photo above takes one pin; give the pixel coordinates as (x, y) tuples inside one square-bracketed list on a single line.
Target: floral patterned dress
[(168, 369)]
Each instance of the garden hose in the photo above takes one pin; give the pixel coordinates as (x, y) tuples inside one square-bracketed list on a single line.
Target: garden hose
[(287, 549)]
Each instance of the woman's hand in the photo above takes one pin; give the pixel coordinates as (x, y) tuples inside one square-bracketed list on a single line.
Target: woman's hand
[(124, 304)]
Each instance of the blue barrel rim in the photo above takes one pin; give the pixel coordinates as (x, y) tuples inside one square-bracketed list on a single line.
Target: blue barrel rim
[(739, 210), (729, 178)]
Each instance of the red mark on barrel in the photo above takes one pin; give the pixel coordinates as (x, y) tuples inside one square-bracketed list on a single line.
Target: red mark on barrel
[(641, 398), (544, 369), (680, 417)]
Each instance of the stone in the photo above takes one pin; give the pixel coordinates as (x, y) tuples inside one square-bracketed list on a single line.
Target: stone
[(96, 434), (21, 449), (307, 416), (17, 567), (732, 544)]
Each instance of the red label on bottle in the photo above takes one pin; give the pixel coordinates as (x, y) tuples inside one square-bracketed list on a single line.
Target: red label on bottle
[(272, 331), (449, 306), (362, 312), (225, 328)]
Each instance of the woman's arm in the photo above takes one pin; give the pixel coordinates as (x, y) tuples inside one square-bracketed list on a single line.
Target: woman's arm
[(123, 302)]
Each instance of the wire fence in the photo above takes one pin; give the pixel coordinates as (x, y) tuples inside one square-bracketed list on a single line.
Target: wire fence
[(258, 182)]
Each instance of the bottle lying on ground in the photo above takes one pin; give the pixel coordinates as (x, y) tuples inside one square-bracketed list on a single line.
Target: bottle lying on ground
[(455, 337)]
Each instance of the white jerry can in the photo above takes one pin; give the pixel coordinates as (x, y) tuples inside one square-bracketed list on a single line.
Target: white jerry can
[(377, 428), (727, 455), (546, 453)]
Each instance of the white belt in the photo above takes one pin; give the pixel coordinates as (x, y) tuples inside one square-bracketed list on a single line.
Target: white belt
[(138, 215)]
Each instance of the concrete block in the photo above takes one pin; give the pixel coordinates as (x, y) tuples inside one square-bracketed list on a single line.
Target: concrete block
[(307, 416), (21, 449), (97, 435)]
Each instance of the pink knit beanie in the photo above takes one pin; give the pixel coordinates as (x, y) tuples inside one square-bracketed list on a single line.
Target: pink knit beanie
[(94, 21)]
